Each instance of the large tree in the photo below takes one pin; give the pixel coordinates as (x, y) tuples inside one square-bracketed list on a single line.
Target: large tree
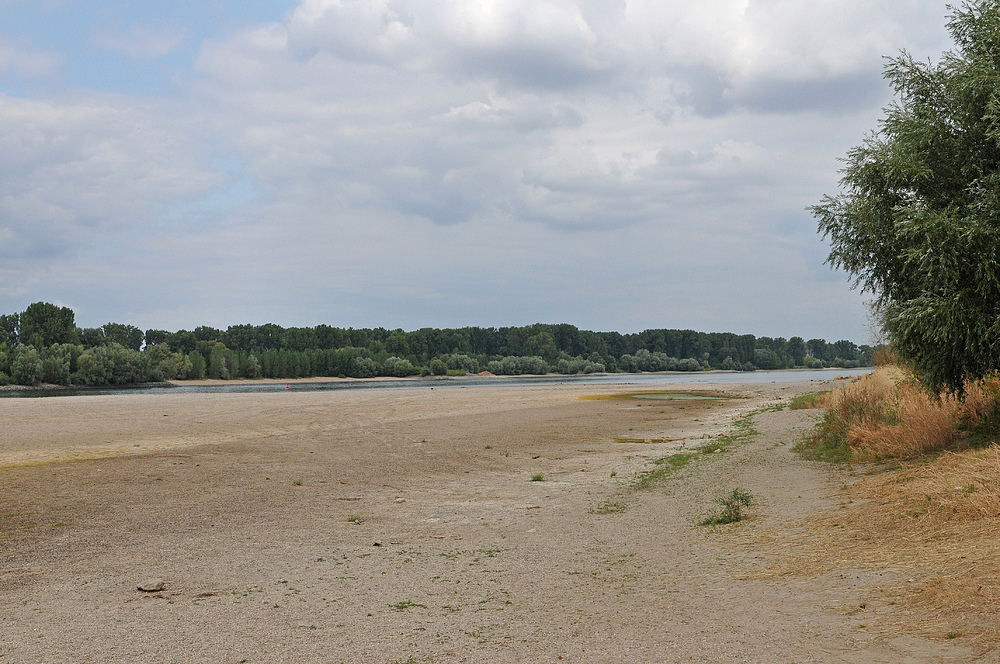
[(918, 221), (44, 324)]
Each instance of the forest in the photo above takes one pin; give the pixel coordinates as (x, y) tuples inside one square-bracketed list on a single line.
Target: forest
[(43, 344)]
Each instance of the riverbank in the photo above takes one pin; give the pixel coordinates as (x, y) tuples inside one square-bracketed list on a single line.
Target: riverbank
[(471, 524)]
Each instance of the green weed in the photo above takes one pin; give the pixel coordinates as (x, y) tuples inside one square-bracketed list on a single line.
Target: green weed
[(406, 604), (733, 505)]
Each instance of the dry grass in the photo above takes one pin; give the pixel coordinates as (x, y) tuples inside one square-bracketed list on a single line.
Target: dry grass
[(934, 529), (887, 415), (933, 524)]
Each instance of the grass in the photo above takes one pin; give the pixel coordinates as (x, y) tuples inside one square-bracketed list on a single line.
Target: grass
[(743, 431), (538, 477), (406, 604), (937, 518), (934, 510), (805, 401), (887, 416), (354, 518), (733, 504), (666, 466)]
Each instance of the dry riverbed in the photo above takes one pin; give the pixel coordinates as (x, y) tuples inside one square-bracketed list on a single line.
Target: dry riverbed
[(496, 524)]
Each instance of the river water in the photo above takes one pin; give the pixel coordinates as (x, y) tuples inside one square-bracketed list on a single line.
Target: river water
[(638, 380)]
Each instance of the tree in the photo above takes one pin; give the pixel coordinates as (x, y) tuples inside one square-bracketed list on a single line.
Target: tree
[(918, 222), (127, 335), (44, 324), (9, 324)]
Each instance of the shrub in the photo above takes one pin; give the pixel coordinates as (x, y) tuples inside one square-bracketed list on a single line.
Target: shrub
[(113, 365), (26, 366), (733, 505), (459, 361), (887, 415), (394, 366), (363, 367)]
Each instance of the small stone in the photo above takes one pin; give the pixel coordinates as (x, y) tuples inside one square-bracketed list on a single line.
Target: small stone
[(152, 585), (400, 500), (376, 543)]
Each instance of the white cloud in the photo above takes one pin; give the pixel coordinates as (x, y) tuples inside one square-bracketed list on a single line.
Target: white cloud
[(76, 170), (445, 162)]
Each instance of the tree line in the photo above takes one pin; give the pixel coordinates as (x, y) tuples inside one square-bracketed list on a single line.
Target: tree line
[(42, 344)]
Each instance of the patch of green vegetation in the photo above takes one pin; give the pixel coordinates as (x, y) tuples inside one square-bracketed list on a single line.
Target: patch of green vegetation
[(743, 431), (733, 504), (828, 442), (805, 401), (405, 604), (666, 466), (611, 505), (354, 518), (538, 477)]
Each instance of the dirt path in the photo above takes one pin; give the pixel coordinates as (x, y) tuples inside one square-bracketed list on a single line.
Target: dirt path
[(403, 526)]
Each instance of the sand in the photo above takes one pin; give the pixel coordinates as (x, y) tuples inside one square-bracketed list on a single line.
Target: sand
[(403, 525)]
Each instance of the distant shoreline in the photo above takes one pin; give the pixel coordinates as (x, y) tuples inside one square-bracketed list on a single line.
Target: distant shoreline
[(14, 391)]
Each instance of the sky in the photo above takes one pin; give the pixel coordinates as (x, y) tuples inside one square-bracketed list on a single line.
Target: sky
[(439, 163)]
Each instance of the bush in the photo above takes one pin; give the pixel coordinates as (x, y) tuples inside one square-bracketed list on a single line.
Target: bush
[(363, 367), (887, 415), (733, 505), (198, 365), (113, 365), (55, 370), (26, 366), (394, 366), (464, 363), (519, 365)]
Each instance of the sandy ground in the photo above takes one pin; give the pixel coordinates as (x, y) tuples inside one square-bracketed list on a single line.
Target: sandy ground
[(402, 525)]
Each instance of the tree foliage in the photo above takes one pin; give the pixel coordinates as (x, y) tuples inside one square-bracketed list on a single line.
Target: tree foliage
[(918, 222), (119, 353), (43, 324)]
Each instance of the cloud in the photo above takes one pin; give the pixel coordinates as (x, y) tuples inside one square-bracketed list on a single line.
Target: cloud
[(140, 40), (446, 162), (73, 173), (18, 58)]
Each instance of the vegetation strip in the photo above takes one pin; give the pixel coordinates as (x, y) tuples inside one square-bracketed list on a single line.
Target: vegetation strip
[(42, 344), (742, 432), (926, 503)]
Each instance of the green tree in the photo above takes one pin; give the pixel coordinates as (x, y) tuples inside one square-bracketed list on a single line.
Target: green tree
[(127, 335), (9, 324), (43, 324), (918, 222), (26, 366)]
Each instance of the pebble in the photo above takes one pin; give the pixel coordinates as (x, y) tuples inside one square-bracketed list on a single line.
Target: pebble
[(152, 585)]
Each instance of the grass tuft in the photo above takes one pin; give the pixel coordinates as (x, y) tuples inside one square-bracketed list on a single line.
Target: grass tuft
[(733, 504)]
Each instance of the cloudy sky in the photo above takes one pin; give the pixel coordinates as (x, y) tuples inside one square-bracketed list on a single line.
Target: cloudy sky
[(614, 165)]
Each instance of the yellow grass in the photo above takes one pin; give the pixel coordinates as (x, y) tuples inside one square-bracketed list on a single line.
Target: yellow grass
[(934, 529), (887, 415), (933, 525)]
